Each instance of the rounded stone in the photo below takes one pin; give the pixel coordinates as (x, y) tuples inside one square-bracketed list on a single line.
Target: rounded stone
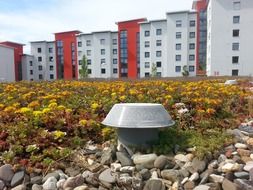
[(106, 176), (6, 172), (50, 184), (241, 146), (154, 185), (160, 162), (17, 179)]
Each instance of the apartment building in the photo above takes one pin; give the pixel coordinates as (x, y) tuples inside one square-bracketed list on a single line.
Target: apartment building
[(7, 64), (28, 68), (101, 52), (43, 64), (153, 48), (230, 39)]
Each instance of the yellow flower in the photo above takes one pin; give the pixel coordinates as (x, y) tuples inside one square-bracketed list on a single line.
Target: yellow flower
[(122, 98), (83, 122), (37, 113), (68, 110), (9, 109), (1, 106), (46, 110), (61, 107), (94, 106), (210, 111), (34, 104), (59, 134), (52, 105), (25, 110)]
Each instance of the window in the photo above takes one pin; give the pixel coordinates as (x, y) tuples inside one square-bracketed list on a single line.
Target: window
[(178, 57), (50, 50), (79, 53), (178, 35), (179, 23), (89, 71), (191, 68), (102, 41), (114, 41), (192, 23), (40, 76), (147, 74), (40, 67), (51, 68), (31, 63), (191, 46), (79, 44), (178, 46), (158, 53), (158, 64), (158, 32), (236, 19), (191, 57), (51, 59), (235, 72), (31, 72), (235, 59), (102, 61), (39, 59), (158, 74), (88, 43), (114, 51), (192, 34), (147, 33), (102, 51), (115, 61), (178, 69), (51, 76), (237, 5), (236, 33), (39, 50), (235, 46), (147, 65), (147, 54), (88, 52), (115, 71), (146, 43), (102, 71), (158, 42), (88, 61), (80, 62)]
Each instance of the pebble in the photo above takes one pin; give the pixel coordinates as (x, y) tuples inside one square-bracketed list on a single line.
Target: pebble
[(181, 158), (194, 177), (154, 185), (17, 179), (2, 185), (160, 162), (19, 187), (127, 169), (248, 166), (6, 173), (242, 175), (83, 187), (124, 159), (37, 187), (50, 184), (115, 167), (147, 160), (202, 187), (107, 176), (216, 178), (241, 146)]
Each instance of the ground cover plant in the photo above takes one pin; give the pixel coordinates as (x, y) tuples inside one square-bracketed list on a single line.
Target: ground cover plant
[(41, 122)]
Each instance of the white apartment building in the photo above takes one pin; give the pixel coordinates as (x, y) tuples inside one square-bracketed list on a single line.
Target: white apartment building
[(44, 60), (28, 68), (153, 48), (7, 68), (230, 39), (101, 51), (169, 44), (181, 43)]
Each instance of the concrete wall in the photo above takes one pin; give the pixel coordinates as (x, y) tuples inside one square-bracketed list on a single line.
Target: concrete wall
[(7, 67)]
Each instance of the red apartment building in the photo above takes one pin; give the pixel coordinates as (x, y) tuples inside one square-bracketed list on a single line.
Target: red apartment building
[(18, 52), (129, 48), (66, 55), (201, 7)]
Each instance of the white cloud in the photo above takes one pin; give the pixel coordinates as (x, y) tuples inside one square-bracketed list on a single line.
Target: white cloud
[(85, 15)]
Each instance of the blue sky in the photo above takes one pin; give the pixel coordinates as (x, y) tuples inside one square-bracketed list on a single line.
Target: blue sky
[(30, 20)]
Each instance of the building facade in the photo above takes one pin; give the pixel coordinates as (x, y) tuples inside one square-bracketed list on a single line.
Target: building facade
[(101, 52), (66, 55), (28, 68), (7, 64), (129, 48), (229, 39)]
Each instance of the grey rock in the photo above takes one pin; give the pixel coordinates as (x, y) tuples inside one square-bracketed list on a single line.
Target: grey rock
[(172, 175), (60, 183), (37, 187), (205, 175), (72, 172), (194, 177), (154, 185), (160, 162), (83, 187), (92, 180), (73, 182), (214, 186), (139, 167), (242, 175), (181, 158), (2, 185), (202, 187), (189, 185), (145, 174), (106, 158), (95, 167), (107, 176), (244, 184), (184, 172), (248, 166), (216, 178), (197, 166), (124, 159), (251, 174), (230, 176), (53, 174), (147, 160), (36, 180), (19, 187), (18, 178), (222, 158), (137, 183), (50, 184), (228, 185), (6, 173)]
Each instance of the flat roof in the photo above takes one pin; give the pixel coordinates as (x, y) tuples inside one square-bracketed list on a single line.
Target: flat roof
[(131, 20), (41, 41), (182, 11), (12, 43), (150, 21), (97, 32), (78, 31)]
